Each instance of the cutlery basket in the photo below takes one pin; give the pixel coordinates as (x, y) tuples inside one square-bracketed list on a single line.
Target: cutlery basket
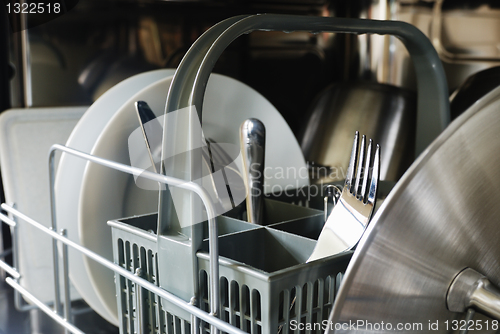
[(264, 281), (258, 285)]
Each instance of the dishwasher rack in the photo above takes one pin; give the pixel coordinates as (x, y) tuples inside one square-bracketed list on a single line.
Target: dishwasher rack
[(61, 312), (290, 283)]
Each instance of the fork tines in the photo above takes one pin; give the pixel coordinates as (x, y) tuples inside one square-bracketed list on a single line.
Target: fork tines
[(359, 166)]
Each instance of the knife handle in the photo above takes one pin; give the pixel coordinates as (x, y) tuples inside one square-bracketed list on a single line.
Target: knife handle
[(252, 141)]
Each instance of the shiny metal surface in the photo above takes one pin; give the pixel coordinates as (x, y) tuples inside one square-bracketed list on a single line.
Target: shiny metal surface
[(457, 30), (214, 155), (253, 145), (190, 80), (333, 192), (371, 56), (384, 113), (26, 64), (457, 298), (486, 298), (350, 216), (152, 131), (441, 217), (460, 49), (473, 89), (470, 289)]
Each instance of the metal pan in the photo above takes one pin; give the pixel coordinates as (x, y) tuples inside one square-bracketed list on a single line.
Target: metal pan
[(441, 218)]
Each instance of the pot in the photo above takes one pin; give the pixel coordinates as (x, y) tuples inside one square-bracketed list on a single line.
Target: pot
[(382, 112)]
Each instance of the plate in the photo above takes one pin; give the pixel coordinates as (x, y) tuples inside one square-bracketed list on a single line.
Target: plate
[(107, 194), (70, 172)]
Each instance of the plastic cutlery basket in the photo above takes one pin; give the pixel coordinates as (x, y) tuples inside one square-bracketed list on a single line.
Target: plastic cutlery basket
[(264, 284), (268, 286), (262, 271)]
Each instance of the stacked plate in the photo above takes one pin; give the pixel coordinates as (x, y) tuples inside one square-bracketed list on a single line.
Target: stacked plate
[(89, 195)]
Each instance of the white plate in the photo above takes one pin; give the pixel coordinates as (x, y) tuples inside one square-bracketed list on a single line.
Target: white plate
[(70, 173), (108, 194)]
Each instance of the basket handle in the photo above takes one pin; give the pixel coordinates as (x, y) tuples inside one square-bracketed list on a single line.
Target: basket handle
[(190, 81), (186, 285)]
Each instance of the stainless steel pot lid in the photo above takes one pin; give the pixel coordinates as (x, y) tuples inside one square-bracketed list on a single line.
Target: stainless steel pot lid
[(441, 217)]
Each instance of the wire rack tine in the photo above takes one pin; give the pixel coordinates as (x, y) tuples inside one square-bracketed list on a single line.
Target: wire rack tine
[(195, 311)]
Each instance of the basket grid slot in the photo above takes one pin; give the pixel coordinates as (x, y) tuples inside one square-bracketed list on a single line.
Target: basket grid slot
[(241, 302), (316, 300), (238, 305), (131, 257)]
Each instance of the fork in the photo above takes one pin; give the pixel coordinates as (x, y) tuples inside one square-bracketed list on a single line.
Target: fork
[(352, 212), (350, 216)]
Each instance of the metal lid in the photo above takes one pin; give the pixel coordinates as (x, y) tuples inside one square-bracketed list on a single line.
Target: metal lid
[(442, 217)]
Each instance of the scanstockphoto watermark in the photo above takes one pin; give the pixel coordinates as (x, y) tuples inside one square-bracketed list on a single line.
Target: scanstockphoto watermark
[(311, 170), (381, 326), (358, 325)]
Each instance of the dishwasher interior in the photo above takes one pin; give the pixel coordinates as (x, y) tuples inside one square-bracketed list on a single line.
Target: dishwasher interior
[(109, 227)]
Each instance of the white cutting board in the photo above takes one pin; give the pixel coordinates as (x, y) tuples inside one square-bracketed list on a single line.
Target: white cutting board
[(26, 136)]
